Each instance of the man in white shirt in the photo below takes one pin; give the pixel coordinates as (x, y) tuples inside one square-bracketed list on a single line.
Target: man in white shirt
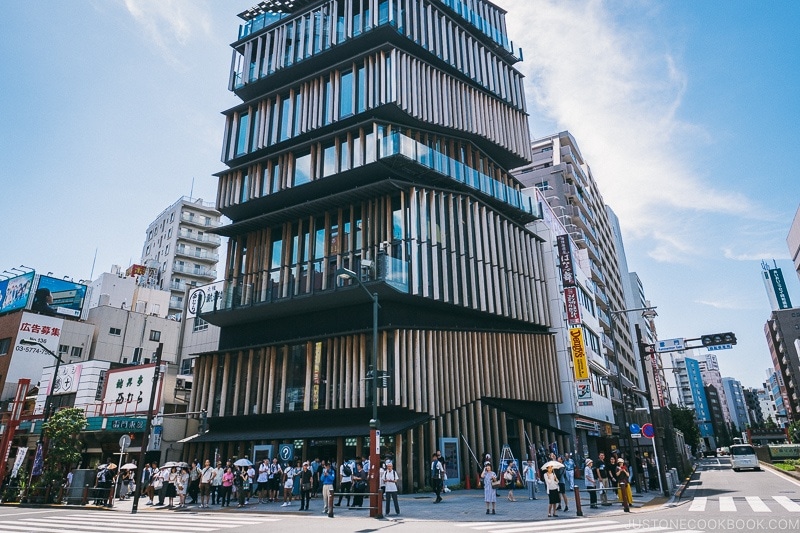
[(207, 475), (263, 481), (390, 478), (251, 482)]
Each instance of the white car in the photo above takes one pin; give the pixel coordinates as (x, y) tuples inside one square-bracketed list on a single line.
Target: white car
[(743, 456)]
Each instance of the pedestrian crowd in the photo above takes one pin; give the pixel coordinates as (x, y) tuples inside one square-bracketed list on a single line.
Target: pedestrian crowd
[(176, 485)]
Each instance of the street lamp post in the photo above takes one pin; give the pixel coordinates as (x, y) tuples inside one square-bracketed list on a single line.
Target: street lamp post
[(374, 423), (49, 398), (47, 401), (612, 314)]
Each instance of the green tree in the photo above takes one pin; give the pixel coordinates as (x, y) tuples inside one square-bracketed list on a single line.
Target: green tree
[(62, 435), (683, 419), (794, 432)]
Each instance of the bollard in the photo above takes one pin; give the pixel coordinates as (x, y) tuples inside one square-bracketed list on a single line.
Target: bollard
[(623, 487), (330, 504), (578, 510)]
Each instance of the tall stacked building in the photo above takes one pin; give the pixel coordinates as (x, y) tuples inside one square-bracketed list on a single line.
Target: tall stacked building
[(376, 136), (180, 249), (565, 180)]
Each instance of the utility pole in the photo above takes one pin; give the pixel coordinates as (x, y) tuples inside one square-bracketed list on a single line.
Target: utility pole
[(147, 427)]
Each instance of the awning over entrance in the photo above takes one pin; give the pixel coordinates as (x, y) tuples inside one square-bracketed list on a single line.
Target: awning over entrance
[(534, 412), (310, 424)]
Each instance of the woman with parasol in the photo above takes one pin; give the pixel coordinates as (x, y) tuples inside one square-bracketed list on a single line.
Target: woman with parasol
[(551, 483)]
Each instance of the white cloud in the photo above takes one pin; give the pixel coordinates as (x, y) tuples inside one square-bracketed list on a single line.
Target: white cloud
[(619, 89), (170, 23)]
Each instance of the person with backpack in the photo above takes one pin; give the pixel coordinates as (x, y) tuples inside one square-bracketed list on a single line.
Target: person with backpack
[(437, 477), (345, 482)]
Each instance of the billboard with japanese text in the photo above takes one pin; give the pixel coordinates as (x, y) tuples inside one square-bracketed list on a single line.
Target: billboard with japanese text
[(14, 292), (128, 390)]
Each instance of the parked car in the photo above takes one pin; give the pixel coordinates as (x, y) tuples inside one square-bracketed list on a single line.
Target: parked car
[(723, 451)]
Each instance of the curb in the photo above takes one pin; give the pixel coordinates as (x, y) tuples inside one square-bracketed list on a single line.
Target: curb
[(679, 493)]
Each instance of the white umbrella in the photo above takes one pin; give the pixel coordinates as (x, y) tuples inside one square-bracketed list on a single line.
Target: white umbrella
[(243, 462), (128, 466), (554, 464), (174, 464)]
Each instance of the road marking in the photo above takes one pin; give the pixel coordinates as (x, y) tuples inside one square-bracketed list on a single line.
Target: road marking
[(787, 503), (698, 504), (757, 505), (571, 525), (726, 504)]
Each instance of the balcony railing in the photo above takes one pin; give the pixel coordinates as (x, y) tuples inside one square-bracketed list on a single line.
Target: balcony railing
[(285, 283), (191, 271), (206, 238), (397, 144), (204, 255), (200, 220)]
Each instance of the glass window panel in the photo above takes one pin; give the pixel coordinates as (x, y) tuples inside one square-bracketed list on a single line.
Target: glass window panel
[(344, 155), (298, 112), (302, 169), (286, 118), (346, 94), (296, 378), (361, 91), (329, 160), (254, 131), (326, 101), (244, 192), (369, 148), (241, 139), (276, 175)]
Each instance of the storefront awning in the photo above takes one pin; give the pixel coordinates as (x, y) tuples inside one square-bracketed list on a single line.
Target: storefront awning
[(534, 412), (309, 424)]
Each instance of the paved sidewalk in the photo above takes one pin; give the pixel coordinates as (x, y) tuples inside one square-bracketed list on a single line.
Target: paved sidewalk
[(457, 506)]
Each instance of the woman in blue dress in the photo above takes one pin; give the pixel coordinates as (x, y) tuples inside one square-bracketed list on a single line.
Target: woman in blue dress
[(489, 492)]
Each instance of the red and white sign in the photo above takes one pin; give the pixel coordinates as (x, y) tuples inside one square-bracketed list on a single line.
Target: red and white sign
[(45, 330)]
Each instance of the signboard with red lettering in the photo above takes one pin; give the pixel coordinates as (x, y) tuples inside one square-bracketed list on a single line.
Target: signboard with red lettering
[(579, 361), (45, 330)]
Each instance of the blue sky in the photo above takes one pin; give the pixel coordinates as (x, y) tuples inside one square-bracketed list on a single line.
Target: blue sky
[(686, 112)]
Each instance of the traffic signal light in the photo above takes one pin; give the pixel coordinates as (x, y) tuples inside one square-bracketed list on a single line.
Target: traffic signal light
[(715, 339)]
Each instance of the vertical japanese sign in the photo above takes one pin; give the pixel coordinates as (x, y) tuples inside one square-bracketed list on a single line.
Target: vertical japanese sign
[(573, 306), (565, 261), (579, 362), (316, 378), (654, 360), (128, 390)]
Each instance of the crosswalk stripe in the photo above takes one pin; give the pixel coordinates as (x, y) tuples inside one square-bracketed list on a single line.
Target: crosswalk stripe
[(19, 526), (146, 523), (176, 518), (757, 505), (787, 503), (627, 529), (574, 525), (130, 526), (726, 504), (698, 504)]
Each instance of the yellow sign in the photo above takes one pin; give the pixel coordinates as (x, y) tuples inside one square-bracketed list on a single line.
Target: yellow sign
[(579, 361)]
